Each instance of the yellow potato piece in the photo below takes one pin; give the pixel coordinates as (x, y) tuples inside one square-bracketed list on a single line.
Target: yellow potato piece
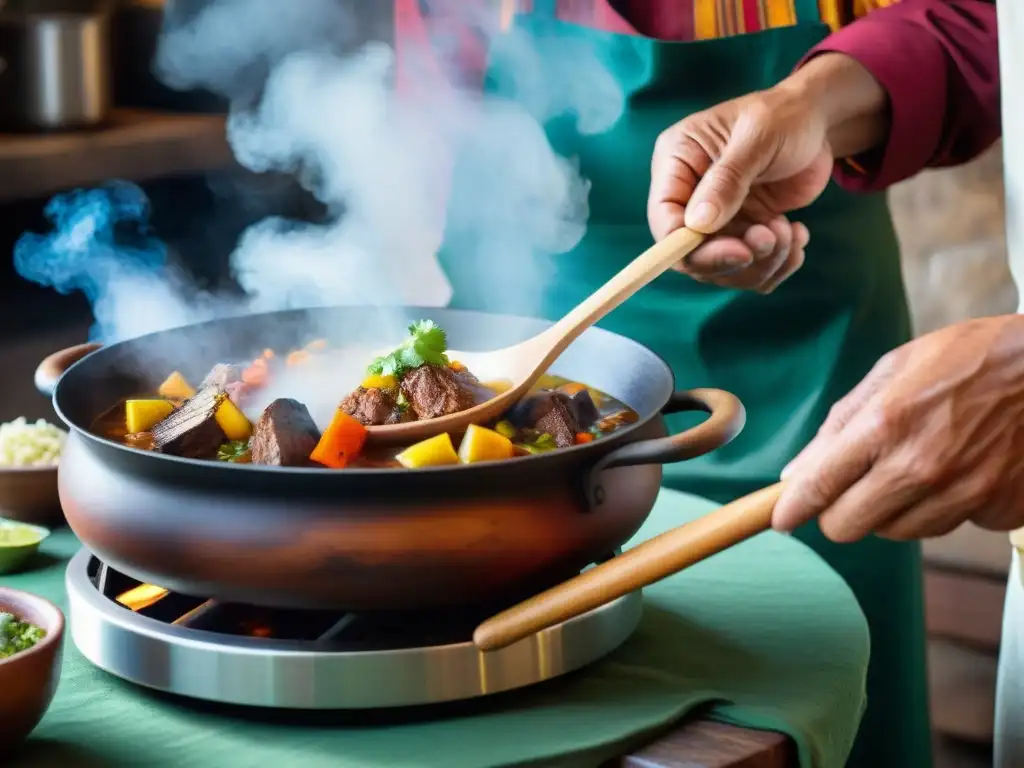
[(377, 381), (436, 451), (482, 444), (143, 415), (232, 421), (498, 385), (176, 387)]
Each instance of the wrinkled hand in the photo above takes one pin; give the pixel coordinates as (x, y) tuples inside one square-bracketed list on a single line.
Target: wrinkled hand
[(736, 170), (932, 437)]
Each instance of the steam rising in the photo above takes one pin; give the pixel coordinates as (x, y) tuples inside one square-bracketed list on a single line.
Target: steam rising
[(101, 245), (304, 102)]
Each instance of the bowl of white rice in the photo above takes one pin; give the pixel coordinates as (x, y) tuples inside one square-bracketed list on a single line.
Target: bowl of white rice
[(29, 455)]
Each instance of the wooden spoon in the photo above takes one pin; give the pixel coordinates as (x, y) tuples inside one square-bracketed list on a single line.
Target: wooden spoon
[(523, 363), (641, 566)]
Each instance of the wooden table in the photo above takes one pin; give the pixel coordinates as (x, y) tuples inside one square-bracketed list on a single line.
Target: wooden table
[(136, 145), (705, 744)]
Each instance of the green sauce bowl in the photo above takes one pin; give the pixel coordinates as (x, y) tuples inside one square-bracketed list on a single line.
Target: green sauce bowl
[(18, 542)]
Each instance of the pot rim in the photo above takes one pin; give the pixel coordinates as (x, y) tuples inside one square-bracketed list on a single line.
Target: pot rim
[(568, 453)]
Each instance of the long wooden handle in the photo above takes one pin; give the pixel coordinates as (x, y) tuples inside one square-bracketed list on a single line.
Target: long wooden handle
[(644, 564), (642, 270)]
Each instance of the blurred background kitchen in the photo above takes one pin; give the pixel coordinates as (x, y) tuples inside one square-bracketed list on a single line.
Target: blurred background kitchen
[(79, 105)]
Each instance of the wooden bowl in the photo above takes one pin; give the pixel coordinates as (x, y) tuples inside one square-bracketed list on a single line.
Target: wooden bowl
[(29, 495), (29, 679)]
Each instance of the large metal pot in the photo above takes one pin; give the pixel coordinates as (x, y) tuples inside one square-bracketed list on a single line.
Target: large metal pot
[(55, 71), (366, 538)]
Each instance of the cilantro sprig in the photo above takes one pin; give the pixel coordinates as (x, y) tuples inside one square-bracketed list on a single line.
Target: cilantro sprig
[(233, 450), (426, 345)]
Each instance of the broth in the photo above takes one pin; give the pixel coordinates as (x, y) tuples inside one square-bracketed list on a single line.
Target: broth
[(417, 381)]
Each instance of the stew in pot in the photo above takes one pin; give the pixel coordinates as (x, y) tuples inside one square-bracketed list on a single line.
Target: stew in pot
[(417, 380)]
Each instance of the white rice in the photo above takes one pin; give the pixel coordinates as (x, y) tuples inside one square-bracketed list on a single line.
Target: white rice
[(30, 445)]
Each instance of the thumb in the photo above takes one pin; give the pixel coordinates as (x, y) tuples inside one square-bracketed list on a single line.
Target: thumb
[(722, 190)]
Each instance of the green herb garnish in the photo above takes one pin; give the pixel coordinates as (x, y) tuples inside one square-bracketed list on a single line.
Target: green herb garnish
[(233, 451), (426, 345), (540, 444), (17, 636)]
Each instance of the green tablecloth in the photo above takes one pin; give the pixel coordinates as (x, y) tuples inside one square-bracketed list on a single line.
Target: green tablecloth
[(766, 630)]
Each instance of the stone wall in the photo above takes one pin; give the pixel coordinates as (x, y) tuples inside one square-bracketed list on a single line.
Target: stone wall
[(951, 230)]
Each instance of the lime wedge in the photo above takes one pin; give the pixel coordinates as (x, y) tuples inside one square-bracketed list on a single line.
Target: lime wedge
[(13, 535)]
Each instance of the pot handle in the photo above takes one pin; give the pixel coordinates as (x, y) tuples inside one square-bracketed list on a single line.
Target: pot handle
[(726, 420), (53, 367), (641, 566)]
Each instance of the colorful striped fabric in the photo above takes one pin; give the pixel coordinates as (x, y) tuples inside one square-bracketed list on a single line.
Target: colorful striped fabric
[(699, 19), (454, 27)]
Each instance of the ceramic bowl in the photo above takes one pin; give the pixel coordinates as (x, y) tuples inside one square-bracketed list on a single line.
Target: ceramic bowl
[(14, 555), (29, 679), (29, 495)]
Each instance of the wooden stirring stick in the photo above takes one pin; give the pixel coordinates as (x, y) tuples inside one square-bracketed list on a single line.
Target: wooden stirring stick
[(641, 566), (525, 362)]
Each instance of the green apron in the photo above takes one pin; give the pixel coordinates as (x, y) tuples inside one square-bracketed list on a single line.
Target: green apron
[(788, 356)]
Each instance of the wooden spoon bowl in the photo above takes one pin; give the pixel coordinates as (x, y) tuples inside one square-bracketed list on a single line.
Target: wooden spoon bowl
[(524, 363)]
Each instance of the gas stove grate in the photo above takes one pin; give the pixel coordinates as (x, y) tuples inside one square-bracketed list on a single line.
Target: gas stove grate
[(260, 657), (329, 631)]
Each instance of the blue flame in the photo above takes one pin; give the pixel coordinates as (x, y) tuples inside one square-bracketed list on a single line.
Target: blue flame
[(99, 238)]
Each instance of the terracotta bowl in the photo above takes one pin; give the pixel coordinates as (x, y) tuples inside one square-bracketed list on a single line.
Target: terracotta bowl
[(29, 495), (29, 679)]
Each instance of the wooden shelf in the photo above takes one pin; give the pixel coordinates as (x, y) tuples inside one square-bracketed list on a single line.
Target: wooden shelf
[(136, 145)]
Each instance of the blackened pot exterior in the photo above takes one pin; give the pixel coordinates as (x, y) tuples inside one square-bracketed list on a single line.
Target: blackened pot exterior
[(389, 539)]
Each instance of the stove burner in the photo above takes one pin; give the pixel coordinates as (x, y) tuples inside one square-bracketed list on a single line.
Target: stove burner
[(252, 656)]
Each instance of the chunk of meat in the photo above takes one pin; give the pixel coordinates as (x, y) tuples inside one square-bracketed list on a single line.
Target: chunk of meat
[(192, 431), (585, 410), (548, 412), (559, 422), (373, 407), (222, 376), (285, 435), (434, 390)]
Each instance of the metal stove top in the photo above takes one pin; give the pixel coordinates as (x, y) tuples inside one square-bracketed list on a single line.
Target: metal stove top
[(250, 656)]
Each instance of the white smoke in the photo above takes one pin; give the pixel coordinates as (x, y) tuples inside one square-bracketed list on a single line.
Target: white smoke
[(307, 100)]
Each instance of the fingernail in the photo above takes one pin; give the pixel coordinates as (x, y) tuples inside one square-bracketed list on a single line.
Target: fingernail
[(703, 217), (786, 471), (731, 267)]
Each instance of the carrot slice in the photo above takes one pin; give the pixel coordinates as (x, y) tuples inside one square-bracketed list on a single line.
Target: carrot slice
[(340, 442), (257, 373), (584, 437)]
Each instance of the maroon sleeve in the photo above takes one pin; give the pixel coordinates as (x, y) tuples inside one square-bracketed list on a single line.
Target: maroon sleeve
[(939, 62)]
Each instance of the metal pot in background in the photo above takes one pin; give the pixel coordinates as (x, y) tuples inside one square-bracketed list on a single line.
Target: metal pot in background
[(54, 64)]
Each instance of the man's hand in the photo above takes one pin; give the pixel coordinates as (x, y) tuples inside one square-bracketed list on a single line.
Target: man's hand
[(737, 169), (932, 437)]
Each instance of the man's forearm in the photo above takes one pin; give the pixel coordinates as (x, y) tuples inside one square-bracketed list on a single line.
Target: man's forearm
[(937, 64), (852, 102)]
